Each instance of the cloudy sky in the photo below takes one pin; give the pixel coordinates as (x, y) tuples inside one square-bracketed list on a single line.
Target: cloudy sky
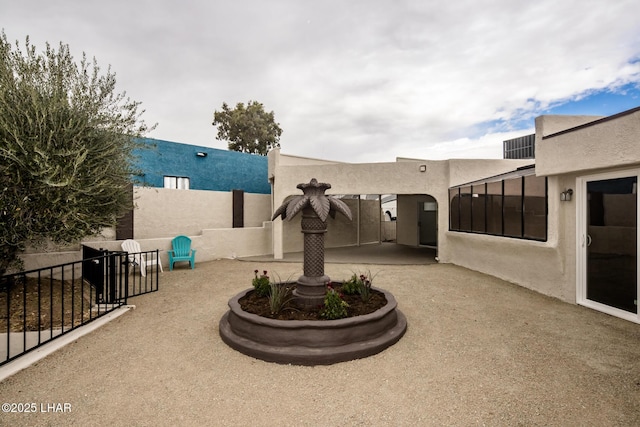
[(355, 80)]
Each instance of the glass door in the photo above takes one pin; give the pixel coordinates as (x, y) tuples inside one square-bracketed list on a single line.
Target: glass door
[(609, 244)]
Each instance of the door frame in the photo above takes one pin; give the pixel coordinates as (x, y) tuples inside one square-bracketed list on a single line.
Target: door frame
[(581, 242)]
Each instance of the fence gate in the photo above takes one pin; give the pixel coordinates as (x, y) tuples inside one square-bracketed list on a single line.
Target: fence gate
[(93, 270), (40, 305), (118, 275)]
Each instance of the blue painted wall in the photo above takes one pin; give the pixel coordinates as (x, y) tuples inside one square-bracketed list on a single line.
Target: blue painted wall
[(220, 170)]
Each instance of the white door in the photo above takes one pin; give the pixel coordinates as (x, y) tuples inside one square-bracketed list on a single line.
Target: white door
[(607, 243)]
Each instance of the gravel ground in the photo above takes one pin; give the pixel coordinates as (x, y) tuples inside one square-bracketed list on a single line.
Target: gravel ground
[(478, 351)]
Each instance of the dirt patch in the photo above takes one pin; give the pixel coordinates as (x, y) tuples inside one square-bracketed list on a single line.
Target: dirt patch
[(252, 303), (46, 304)]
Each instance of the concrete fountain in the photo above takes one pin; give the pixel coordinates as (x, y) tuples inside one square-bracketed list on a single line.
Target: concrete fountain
[(312, 342)]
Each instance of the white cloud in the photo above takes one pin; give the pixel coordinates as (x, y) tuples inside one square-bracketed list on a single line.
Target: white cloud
[(352, 81)]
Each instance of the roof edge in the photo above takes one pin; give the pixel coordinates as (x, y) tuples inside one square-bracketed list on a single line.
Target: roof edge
[(593, 123)]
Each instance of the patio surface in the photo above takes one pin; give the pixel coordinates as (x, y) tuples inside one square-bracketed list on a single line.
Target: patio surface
[(478, 351), (383, 253)]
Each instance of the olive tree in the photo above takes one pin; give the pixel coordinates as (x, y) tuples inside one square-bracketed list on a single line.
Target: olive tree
[(66, 148), (248, 129)]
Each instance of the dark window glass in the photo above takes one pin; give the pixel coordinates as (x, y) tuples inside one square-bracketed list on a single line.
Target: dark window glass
[(465, 208), (478, 208), (494, 207), (535, 207), (513, 207)]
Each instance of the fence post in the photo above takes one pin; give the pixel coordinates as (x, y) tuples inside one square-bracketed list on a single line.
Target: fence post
[(103, 272), (126, 278), (157, 270), (6, 283), (111, 275)]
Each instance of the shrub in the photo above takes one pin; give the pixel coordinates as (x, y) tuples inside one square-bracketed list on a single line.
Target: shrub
[(351, 287), (279, 296), (261, 283), (364, 287), (359, 284), (67, 148), (334, 306)]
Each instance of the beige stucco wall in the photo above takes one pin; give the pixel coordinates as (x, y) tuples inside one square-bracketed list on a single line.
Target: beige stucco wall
[(375, 178), (388, 230), (550, 124), (163, 212), (535, 265), (402, 177), (550, 267), (35, 260), (211, 244), (340, 231), (257, 209), (608, 143), (276, 159), (370, 217), (599, 145), (288, 160), (547, 267), (234, 242), (51, 254)]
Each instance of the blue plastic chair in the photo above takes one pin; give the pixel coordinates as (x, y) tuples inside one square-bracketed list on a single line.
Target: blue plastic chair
[(182, 252)]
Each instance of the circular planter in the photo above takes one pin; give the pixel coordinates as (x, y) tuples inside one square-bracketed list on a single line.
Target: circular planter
[(312, 342)]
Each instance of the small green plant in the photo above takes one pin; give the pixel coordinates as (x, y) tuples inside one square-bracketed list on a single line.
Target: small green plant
[(351, 287), (261, 283), (279, 296), (334, 306), (364, 287), (359, 284)]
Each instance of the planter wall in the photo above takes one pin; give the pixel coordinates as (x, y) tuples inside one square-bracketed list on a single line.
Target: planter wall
[(312, 342)]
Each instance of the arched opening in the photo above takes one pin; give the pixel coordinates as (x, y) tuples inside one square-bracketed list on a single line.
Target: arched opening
[(409, 236), (417, 220)]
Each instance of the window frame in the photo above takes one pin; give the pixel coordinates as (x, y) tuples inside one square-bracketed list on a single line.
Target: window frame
[(177, 181), (519, 180)]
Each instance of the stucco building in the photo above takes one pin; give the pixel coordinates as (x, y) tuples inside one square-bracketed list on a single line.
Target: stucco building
[(226, 189), (564, 224), (167, 164)]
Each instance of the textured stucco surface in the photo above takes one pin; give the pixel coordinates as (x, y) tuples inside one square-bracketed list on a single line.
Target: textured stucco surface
[(163, 212), (220, 170), (402, 178), (567, 148), (612, 143)]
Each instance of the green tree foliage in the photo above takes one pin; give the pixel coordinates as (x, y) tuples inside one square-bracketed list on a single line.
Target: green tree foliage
[(248, 129), (66, 141)]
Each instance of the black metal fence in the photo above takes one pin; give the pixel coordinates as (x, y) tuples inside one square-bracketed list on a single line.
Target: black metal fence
[(40, 305)]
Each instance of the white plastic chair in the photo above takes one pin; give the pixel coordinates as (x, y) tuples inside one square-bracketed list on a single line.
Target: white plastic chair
[(143, 260)]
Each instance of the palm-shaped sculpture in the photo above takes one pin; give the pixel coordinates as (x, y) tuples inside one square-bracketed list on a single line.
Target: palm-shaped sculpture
[(316, 207)]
